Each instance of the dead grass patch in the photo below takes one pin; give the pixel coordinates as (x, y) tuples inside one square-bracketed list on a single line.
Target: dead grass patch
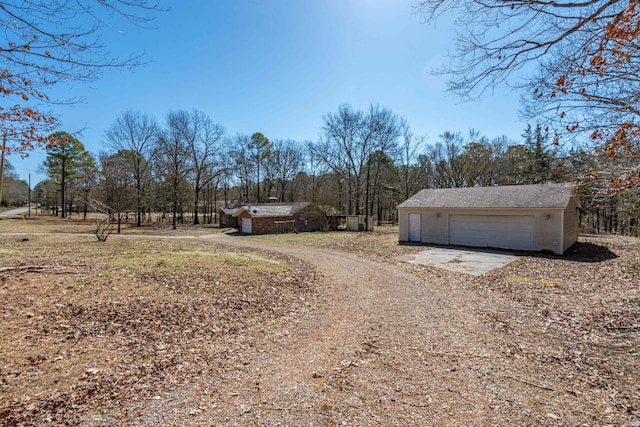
[(96, 331), (89, 326)]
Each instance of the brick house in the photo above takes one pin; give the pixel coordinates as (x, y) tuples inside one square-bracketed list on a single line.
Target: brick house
[(227, 218), (266, 218)]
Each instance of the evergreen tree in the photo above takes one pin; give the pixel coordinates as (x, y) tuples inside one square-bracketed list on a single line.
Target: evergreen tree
[(64, 161)]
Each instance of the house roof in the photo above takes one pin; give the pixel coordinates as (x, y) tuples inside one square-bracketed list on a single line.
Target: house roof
[(229, 211), (508, 196), (262, 210)]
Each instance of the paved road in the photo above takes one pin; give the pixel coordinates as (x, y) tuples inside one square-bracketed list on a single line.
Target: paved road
[(13, 212)]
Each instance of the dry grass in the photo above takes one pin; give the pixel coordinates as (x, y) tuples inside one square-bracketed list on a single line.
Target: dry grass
[(570, 324), (86, 324), (93, 332)]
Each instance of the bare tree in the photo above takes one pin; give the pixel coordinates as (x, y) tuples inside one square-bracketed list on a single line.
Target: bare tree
[(48, 43), (314, 175), (116, 193), (348, 141), (481, 159), (243, 164), (379, 135), (407, 158), (203, 140), (173, 158), (340, 149), (446, 156), (586, 54), (461, 161), (497, 38), (284, 164), (104, 226), (134, 134)]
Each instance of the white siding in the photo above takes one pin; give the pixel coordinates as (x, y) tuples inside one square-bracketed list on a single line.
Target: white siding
[(549, 230), (550, 233), (571, 225)]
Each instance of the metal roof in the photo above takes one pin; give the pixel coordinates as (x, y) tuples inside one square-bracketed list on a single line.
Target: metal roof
[(507, 196), (258, 210)]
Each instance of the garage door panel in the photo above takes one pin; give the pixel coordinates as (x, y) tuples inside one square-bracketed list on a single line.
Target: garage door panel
[(499, 231)]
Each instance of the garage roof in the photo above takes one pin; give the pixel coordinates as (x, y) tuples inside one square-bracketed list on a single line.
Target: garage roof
[(507, 196)]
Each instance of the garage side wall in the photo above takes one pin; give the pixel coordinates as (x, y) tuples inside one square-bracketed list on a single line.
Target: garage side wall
[(571, 224), (403, 225), (548, 231), (434, 225)]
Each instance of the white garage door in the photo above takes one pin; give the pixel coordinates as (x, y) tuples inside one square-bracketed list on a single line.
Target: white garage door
[(246, 225), (495, 231)]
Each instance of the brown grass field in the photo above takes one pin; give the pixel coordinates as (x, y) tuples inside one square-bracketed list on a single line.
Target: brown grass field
[(94, 331)]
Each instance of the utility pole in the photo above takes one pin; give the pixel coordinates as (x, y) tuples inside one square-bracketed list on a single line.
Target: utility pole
[(29, 202), (4, 146)]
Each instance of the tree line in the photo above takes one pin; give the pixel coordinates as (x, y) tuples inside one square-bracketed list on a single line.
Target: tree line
[(575, 65), (364, 162), (583, 87)]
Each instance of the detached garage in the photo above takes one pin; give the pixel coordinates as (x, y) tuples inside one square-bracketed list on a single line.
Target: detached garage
[(540, 217)]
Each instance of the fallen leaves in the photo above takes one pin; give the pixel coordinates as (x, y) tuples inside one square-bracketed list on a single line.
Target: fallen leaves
[(98, 344)]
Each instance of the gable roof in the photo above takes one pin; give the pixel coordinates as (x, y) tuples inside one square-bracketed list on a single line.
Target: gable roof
[(229, 211), (507, 196), (262, 210)]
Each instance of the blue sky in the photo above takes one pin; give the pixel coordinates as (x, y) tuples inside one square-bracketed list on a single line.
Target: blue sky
[(276, 67)]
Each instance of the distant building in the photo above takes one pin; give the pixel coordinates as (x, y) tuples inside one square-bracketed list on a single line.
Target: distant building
[(265, 218)]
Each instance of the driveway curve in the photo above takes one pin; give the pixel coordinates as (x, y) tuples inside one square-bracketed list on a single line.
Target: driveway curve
[(382, 347), (13, 212)]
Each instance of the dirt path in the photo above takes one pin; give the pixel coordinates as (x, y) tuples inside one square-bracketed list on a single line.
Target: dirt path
[(382, 347), (370, 342)]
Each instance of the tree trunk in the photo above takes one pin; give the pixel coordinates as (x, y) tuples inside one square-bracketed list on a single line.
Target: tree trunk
[(175, 202), (138, 203), (214, 211), (63, 185), (196, 221)]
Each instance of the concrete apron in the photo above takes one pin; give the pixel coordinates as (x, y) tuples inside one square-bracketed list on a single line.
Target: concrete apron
[(469, 261)]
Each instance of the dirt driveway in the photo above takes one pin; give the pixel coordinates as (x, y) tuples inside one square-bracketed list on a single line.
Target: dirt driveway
[(362, 358), (384, 347), (236, 331)]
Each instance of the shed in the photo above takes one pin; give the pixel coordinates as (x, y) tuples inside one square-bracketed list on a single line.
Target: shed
[(265, 218), (227, 218), (539, 217)]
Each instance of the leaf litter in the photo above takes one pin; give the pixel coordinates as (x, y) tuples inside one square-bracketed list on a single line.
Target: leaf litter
[(546, 340), (103, 340)]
